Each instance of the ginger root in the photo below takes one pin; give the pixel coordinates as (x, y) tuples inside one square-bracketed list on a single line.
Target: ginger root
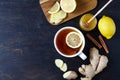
[(97, 64)]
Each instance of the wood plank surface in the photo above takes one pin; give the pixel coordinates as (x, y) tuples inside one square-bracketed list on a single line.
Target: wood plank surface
[(83, 6)]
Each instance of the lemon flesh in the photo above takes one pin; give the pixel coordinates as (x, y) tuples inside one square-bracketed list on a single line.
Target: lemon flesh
[(107, 27), (68, 6), (73, 40), (55, 8)]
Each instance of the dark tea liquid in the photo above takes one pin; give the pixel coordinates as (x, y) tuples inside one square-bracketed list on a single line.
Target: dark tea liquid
[(61, 43)]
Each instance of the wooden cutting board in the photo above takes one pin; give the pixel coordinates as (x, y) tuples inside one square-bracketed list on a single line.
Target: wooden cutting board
[(83, 6)]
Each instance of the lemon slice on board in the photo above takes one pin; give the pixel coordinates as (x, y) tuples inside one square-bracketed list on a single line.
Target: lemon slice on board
[(55, 8), (68, 6), (73, 40)]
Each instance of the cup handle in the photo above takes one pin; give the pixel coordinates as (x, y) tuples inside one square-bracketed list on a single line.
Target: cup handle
[(82, 56)]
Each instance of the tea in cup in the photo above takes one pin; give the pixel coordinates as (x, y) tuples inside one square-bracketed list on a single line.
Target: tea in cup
[(70, 42)]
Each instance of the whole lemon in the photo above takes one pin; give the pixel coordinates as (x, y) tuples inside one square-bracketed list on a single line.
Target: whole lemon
[(106, 26)]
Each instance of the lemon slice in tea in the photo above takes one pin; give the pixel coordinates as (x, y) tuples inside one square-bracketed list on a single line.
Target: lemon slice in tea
[(73, 40)]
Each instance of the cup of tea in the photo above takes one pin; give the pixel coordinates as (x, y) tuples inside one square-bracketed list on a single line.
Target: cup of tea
[(70, 42)]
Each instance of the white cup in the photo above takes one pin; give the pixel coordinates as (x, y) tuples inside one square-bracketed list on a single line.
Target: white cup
[(59, 40)]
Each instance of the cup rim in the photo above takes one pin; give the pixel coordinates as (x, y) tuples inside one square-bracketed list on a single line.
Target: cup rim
[(83, 43)]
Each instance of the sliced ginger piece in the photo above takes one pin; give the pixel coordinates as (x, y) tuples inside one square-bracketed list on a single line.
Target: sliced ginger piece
[(70, 75), (64, 67), (56, 18), (61, 14), (59, 63)]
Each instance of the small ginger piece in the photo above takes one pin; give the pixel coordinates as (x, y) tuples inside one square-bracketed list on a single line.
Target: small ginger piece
[(97, 64), (56, 18), (64, 67), (61, 65), (70, 75)]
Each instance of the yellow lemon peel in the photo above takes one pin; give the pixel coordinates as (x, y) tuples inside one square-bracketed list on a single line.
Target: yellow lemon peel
[(107, 27)]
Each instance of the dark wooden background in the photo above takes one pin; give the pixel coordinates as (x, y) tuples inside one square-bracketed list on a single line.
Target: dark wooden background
[(26, 42)]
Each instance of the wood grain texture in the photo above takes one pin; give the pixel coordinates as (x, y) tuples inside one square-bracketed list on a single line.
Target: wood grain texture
[(83, 6)]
